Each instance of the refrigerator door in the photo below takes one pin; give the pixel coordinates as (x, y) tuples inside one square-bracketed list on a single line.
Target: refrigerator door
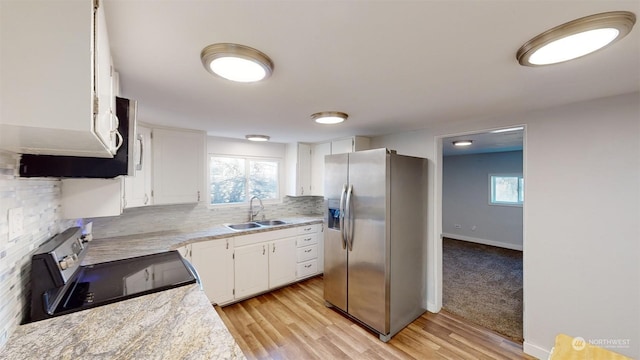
[(368, 280), (335, 253)]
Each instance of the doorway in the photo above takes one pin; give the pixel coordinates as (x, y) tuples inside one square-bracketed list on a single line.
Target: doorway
[(481, 228)]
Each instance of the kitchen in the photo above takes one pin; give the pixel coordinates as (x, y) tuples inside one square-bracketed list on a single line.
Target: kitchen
[(558, 124)]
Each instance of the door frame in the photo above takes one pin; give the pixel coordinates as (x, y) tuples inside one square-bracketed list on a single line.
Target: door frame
[(437, 234)]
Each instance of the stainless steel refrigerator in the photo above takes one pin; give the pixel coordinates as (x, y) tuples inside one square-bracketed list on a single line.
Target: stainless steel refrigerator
[(374, 263)]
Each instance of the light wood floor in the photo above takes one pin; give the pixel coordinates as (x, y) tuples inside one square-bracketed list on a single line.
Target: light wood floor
[(293, 323)]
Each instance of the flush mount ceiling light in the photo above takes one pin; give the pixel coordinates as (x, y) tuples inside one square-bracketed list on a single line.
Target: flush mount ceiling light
[(236, 62), (329, 117), (576, 38), (462, 143), (257, 137)]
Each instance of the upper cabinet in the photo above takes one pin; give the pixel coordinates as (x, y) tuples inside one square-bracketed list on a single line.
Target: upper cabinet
[(350, 144), (56, 79), (178, 166), (298, 169)]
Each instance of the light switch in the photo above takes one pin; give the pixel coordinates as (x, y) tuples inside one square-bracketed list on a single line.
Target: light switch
[(16, 221)]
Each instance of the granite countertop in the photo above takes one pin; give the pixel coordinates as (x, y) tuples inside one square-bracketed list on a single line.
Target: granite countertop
[(174, 324), (115, 248)]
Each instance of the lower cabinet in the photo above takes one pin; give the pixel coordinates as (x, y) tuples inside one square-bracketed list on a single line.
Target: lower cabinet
[(251, 269), (214, 262), (235, 268)]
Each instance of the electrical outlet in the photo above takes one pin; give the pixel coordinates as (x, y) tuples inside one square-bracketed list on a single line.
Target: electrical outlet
[(457, 226), (15, 220)]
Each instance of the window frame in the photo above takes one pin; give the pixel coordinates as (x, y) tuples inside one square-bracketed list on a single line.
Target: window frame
[(247, 159), (520, 190)]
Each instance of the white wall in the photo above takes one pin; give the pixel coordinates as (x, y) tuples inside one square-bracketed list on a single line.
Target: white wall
[(465, 200), (581, 211)]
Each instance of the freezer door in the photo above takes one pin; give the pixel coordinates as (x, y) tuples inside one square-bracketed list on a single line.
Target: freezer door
[(368, 280), (335, 253)]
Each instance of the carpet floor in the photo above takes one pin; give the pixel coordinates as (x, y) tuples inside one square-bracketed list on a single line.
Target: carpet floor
[(483, 284)]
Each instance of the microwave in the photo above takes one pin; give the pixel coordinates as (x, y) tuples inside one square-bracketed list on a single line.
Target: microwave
[(124, 162)]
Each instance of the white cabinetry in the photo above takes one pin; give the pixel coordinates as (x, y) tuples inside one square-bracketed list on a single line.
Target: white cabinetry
[(282, 264), (251, 269), (55, 79), (318, 152), (137, 188), (214, 262), (350, 144), (81, 198), (178, 166), (298, 169), (309, 250)]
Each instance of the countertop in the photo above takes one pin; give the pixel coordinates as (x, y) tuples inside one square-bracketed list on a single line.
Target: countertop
[(175, 324)]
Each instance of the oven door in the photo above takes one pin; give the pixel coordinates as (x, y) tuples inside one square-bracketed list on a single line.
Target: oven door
[(109, 282)]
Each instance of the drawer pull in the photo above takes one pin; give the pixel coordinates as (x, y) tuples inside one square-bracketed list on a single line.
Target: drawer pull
[(307, 229), (307, 266), (307, 239), (308, 250)]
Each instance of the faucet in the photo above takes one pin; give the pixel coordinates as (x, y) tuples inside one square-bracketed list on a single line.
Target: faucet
[(252, 214)]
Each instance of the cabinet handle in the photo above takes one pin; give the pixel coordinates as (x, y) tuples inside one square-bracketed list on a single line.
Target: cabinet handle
[(274, 248), (307, 266), (227, 244), (307, 239), (146, 199), (308, 250), (307, 229), (139, 164), (263, 250), (198, 195)]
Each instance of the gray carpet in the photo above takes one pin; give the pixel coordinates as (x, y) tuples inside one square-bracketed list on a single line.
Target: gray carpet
[(483, 284)]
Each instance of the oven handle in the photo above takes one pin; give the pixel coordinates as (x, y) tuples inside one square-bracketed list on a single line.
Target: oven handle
[(194, 272)]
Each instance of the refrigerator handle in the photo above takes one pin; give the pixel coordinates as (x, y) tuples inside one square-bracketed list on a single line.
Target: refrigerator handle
[(342, 209), (349, 230)]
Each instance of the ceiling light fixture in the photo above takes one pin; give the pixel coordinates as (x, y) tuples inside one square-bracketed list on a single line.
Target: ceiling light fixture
[(507, 130), (329, 117), (462, 142), (236, 62), (257, 137), (576, 38)]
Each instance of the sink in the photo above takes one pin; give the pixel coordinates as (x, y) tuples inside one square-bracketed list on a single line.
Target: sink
[(270, 222), (243, 226)]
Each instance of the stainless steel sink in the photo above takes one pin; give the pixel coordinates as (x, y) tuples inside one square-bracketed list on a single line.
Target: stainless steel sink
[(243, 226), (270, 222)]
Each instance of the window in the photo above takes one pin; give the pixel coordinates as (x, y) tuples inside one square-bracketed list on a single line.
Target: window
[(506, 190), (237, 179)]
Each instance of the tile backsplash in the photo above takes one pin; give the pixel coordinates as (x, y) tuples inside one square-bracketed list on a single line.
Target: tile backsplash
[(196, 216), (41, 212)]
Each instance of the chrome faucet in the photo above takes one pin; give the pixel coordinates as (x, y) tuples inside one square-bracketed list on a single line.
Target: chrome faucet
[(252, 215)]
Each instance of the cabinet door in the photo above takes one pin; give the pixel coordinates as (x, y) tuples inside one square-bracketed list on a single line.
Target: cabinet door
[(318, 152), (106, 126), (214, 262), (178, 166), (138, 187), (251, 270), (304, 170), (342, 146), (282, 262)]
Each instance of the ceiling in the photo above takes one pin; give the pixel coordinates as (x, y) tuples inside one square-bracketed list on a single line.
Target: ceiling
[(393, 66), (485, 142)]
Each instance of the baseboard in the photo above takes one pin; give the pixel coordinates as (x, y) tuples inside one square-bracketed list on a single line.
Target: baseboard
[(535, 350), (484, 241)]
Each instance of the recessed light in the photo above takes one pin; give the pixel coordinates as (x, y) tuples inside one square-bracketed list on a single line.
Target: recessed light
[(507, 130), (236, 62), (257, 137), (329, 117), (576, 38), (462, 142)]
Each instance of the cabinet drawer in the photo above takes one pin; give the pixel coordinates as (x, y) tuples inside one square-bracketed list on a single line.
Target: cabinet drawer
[(307, 268), (309, 229), (307, 253), (307, 240)]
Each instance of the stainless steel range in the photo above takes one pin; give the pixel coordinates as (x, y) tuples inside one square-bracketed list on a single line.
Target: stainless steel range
[(61, 285)]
